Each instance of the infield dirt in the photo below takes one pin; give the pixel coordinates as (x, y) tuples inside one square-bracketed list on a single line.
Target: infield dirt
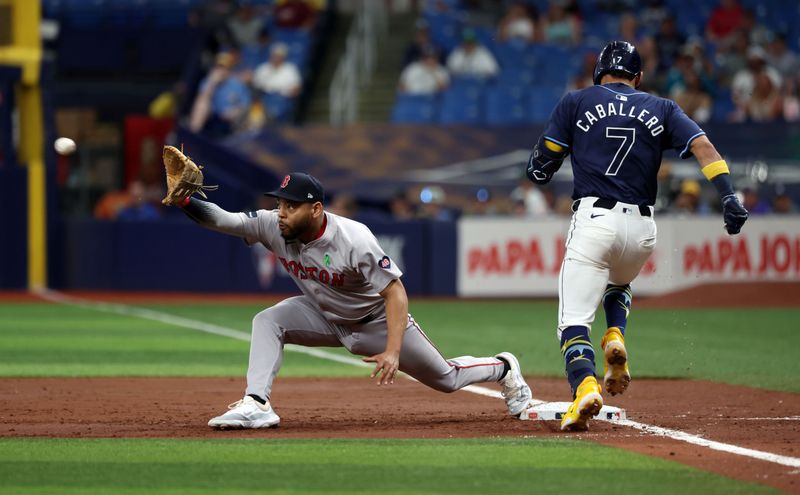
[(357, 408)]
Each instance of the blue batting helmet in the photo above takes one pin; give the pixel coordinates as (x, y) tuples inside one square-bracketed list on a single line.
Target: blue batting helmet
[(618, 56)]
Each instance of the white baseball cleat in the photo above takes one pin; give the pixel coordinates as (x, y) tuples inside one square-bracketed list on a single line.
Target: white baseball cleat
[(516, 392), (246, 413)]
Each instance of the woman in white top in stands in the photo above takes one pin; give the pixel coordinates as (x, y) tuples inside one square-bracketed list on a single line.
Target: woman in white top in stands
[(426, 76)]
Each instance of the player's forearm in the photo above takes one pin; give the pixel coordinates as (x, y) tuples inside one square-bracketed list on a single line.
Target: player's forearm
[(713, 166), (213, 217), (396, 315), (704, 151)]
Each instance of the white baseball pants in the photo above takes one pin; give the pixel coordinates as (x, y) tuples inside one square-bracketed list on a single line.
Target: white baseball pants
[(603, 246)]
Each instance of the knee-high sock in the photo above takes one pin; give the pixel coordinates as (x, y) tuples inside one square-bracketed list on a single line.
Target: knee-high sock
[(617, 304), (576, 347)]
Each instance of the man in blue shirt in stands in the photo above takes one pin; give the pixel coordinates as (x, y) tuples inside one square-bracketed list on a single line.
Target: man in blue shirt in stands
[(615, 135)]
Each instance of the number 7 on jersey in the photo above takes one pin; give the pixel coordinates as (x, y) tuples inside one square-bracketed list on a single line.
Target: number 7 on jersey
[(628, 137)]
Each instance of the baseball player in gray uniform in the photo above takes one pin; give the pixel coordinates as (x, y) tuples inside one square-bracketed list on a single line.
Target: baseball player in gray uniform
[(352, 297)]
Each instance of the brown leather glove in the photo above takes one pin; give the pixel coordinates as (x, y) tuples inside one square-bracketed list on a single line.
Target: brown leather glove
[(184, 178)]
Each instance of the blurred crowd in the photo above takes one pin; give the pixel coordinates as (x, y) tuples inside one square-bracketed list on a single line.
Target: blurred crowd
[(676, 197), (745, 68), (254, 63)]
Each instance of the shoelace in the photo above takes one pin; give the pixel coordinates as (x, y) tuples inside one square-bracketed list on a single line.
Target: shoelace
[(234, 405), (510, 386)]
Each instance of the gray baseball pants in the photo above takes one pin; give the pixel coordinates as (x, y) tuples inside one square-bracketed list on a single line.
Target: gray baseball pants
[(297, 321)]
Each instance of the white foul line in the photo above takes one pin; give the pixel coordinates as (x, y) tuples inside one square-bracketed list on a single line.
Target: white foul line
[(125, 310)]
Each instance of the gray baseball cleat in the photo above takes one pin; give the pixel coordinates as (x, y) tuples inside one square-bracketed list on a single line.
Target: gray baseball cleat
[(246, 413), (516, 392)]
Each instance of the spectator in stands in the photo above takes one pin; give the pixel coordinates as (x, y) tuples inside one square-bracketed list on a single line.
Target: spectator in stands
[(629, 28), (223, 99), (765, 105), (688, 200), (757, 33), (782, 203), (668, 43), (692, 98), (791, 100), (432, 204), (667, 187), (257, 53), (425, 76), (753, 202), (652, 15), (650, 63), (733, 58), (559, 26), (401, 207), (245, 26), (724, 21), (481, 12), (295, 14), (531, 198), (344, 205), (517, 24), (471, 59), (744, 82), (585, 77), (421, 39), (702, 65), (138, 206), (278, 76), (781, 57)]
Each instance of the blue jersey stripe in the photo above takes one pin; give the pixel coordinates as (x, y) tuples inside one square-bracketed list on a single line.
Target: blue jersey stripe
[(556, 141), (623, 94)]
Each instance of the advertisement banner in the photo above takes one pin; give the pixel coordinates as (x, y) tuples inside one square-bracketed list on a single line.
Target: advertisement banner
[(522, 257)]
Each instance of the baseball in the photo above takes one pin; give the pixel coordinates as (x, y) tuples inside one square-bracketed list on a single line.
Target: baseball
[(64, 146)]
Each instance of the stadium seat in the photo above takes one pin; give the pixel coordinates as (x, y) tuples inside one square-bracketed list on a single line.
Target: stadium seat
[(517, 54), (414, 109), (543, 99), (462, 105), (278, 107), (445, 30), (723, 106), (507, 105)]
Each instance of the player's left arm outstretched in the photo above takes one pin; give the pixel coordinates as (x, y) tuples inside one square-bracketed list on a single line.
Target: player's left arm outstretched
[(388, 362), (716, 170)]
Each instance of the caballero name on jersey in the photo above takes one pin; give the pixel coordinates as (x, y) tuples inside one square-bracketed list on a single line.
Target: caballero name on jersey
[(619, 108), (312, 272)]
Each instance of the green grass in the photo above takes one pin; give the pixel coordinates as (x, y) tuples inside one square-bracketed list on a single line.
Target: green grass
[(507, 466), (743, 346)]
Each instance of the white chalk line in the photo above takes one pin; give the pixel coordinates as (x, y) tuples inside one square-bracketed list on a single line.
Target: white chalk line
[(126, 310)]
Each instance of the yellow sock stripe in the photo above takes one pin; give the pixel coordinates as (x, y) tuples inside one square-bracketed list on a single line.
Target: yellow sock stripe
[(716, 168), (574, 341)]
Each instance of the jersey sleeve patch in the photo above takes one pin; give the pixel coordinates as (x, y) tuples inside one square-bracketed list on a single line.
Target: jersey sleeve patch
[(385, 263), (251, 214)]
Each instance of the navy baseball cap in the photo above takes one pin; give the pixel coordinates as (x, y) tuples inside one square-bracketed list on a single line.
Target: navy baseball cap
[(299, 187)]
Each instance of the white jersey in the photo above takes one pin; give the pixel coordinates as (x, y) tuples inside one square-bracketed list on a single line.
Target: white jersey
[(343, 271)]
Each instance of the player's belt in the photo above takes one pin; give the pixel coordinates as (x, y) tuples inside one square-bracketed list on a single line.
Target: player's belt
[(609, 204)]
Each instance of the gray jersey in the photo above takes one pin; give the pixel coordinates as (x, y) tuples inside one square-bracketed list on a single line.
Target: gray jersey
[(341, 274), (343, 271)]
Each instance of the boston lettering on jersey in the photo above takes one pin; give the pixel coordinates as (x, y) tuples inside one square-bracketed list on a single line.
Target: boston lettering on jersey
[(623, 109), (312, 272)]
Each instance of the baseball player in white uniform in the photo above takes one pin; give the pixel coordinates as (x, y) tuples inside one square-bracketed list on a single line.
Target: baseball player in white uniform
[(352, 297)]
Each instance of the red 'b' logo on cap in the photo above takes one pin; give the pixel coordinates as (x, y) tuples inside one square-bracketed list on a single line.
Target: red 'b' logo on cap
[(285, 182)]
